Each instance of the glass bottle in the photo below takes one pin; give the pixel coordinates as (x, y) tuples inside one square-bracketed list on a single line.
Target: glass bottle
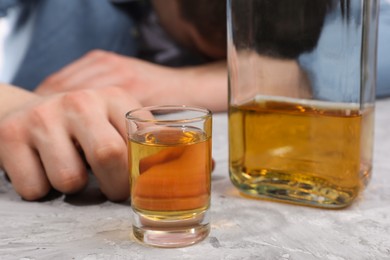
[(302, 77)]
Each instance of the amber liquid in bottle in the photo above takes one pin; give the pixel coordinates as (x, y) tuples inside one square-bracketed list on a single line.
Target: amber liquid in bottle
[(170, 174), (311, 153)]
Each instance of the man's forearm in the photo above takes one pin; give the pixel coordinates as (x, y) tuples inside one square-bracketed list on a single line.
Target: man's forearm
[(209, 86)]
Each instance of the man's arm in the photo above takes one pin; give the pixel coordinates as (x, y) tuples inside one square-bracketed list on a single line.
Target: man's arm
[(151, 84), (12, 97)]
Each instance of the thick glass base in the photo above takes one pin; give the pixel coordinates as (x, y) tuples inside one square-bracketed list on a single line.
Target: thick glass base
[(170, 233), (294, 188)]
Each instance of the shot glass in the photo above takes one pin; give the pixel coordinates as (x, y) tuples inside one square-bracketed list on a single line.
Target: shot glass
[(169, 150)]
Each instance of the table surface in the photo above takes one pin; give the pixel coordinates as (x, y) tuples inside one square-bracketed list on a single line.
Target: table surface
[(87, 226)]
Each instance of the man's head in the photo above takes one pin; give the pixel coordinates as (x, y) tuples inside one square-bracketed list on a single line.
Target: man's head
[(280, 29), (199, 24)]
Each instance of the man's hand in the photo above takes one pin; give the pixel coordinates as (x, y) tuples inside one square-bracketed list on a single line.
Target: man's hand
[(150, 84), (42, 143)]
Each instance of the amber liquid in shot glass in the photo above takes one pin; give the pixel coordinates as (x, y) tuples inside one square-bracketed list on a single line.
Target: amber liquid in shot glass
[(170, 185)]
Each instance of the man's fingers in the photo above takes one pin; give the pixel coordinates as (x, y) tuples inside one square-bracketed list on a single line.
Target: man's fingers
[(74, 73), (101, 80), (106, 153), (47, 136), (82, 78), (118, 105), (63, 164), (102, 144), (25, 171)]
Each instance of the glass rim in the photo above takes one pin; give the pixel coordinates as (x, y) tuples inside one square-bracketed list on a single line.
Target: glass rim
[(207, 113)]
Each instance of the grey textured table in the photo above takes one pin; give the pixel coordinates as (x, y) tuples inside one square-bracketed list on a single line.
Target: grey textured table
[(89, 227)]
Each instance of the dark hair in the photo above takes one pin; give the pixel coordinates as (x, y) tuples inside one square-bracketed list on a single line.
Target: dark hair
[(208, 17), (282, 28)]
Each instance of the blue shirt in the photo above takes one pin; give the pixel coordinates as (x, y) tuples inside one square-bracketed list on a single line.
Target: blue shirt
[(338, 55), (63, 31)]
